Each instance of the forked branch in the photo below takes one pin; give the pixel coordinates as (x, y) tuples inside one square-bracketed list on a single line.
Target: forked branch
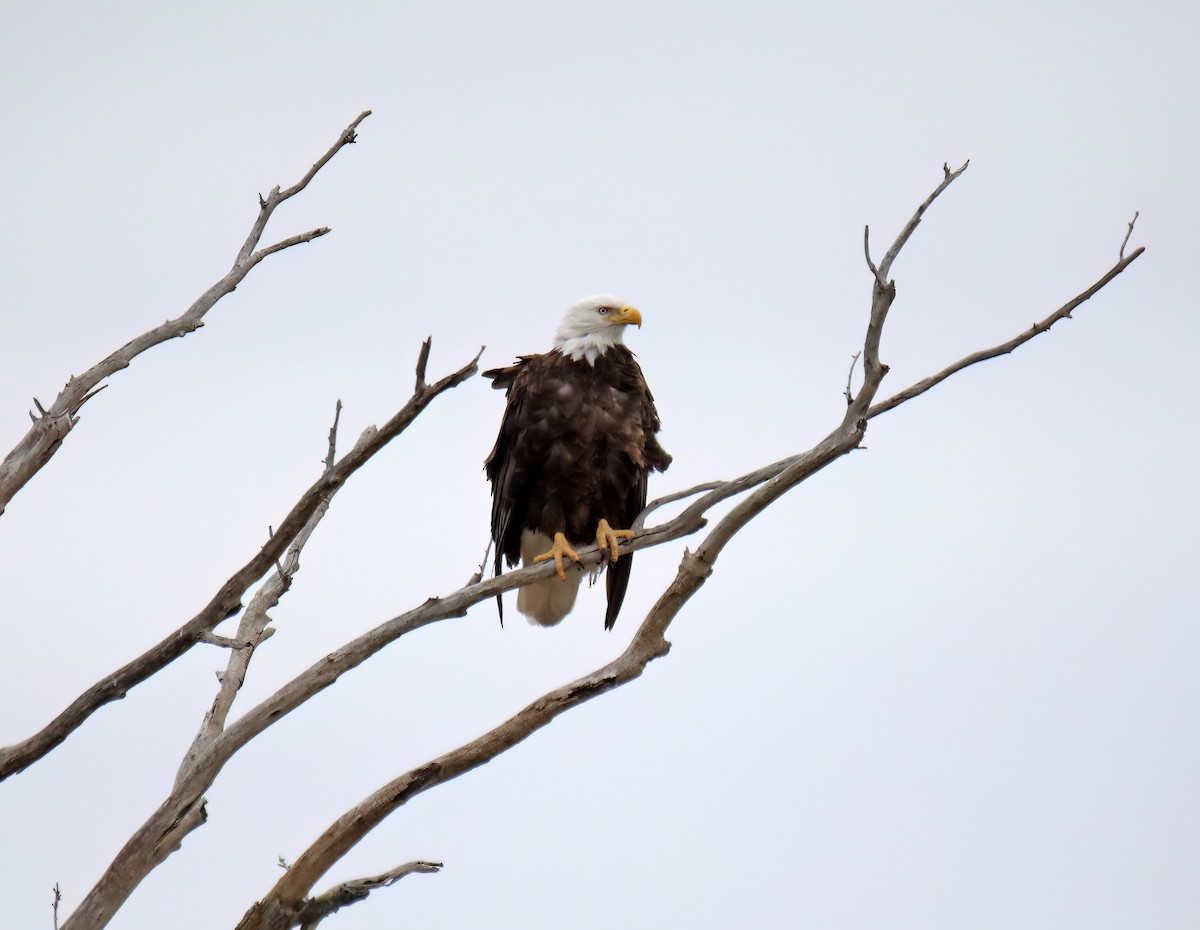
[(227, 602), (51, 426), (289, 904), (1004, 348), (282, 906)]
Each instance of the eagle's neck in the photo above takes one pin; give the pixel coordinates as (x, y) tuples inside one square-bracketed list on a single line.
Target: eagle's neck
[(587, 346)]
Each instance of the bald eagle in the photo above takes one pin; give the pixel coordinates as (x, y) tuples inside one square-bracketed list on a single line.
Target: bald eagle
[(575, 448)]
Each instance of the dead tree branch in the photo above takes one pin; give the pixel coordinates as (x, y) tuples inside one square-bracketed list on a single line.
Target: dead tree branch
[(314, 910), (227, 602), (52, 425), (1004, 348), (282, 907), (850, 378), (253, 629), (1128, 233), (288, 903)]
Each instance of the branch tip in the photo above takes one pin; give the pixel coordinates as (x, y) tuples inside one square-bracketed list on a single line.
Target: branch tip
[(1128, 233), (75, 408), (423, 363), (867, 253), (850, 377), (337, 414)]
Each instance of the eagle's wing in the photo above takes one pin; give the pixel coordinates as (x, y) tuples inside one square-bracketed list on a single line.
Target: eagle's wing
[(501, 466), (651, 456)]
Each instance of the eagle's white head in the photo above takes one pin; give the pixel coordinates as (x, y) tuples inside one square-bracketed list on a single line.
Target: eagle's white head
[(592, 325)]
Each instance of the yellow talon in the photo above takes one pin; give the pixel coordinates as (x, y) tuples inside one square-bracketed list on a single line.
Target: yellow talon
[(607, 538), (557, 551)]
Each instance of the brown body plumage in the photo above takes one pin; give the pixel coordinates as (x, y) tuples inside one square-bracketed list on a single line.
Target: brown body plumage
[(575, 448)]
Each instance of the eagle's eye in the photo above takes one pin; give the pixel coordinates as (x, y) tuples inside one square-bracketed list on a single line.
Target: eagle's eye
[(602, 310)]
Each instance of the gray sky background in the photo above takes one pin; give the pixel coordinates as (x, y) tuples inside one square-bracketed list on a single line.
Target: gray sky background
[(949, 682)]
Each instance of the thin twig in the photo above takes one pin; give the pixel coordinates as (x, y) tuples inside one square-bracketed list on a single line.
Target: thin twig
[(316, 909), (640, 519), (948, 178), (1128, 233), (867, 252), (477, 575), (850, 377), (337, 415), (290, 241), (422, 361)]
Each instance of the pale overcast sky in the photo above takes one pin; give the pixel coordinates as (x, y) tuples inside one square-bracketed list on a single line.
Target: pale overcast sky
[(948, 683)]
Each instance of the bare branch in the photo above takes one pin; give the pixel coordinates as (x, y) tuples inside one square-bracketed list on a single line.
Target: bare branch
[(850, 377), (282, 906), (337, 415), (164, 830), (252, 631), (288, 904), (1004, 348), (48, 431), (287, 243), (477, 575), (227, 601), (422, 361), (83, 400), (279, 908), (225, 642), (55, 903), (314, 910), (655, 504), (253, 628), (867, 251), (268, 204), (883, 293), (949, 176), (1128, 233)]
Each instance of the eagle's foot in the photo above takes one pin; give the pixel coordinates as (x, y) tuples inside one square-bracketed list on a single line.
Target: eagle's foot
[(557, 551), (607, 538)]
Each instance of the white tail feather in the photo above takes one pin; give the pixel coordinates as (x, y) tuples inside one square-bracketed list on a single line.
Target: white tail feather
[(546, 602)]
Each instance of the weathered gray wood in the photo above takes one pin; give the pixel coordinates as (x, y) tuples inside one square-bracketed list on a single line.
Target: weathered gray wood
[(280, 909), (51, 425), (290, 902), (227, 602)]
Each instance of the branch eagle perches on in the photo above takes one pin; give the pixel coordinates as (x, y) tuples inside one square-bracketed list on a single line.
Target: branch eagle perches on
[(281, 908)]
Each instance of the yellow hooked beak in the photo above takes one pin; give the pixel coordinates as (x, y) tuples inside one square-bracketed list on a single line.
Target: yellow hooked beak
[(627, 315)]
